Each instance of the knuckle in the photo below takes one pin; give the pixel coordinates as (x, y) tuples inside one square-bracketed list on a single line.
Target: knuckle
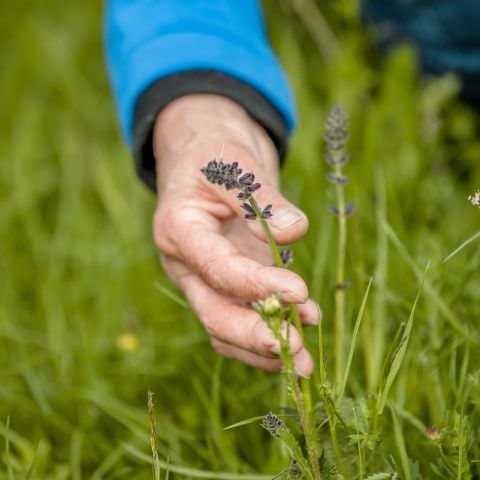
[(213, 326), (214, 271)]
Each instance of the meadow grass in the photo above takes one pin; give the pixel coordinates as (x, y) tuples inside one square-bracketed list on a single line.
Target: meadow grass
[(86, 328)]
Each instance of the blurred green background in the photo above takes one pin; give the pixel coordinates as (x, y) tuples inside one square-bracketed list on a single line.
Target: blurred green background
[(86, 325)]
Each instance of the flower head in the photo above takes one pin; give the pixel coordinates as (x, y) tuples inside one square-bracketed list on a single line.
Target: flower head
[(272, 424), (128, 342), (475, 199), (272, 304), (433, 433), (287, 256), (336, 134), (219, 172)]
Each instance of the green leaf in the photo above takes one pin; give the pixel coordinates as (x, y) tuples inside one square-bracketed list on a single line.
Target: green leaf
[(244, 422), (295, 451), (252, 420), (461, 247)]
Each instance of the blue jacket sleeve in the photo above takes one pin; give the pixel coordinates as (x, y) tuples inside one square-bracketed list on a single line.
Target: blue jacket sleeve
[(150, 39)]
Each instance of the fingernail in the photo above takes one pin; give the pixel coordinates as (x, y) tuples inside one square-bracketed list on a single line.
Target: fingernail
[(301, 374), (290, 296), (297, 372), (275, 348), (283, 219)]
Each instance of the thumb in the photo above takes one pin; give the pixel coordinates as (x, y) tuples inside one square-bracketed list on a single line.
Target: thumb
[(287, 222)]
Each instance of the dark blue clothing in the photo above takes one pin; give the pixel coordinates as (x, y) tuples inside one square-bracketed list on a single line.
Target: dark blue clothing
[(445, 32)]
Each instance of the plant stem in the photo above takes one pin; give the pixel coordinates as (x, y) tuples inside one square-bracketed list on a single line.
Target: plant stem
[(340, 280), (303, 397), (323, 390), (153, 437)]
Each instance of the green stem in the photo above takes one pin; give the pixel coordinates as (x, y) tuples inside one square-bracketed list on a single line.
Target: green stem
[(332, 422), (333, 434), (303, 398), (375, 425), (340, 280)]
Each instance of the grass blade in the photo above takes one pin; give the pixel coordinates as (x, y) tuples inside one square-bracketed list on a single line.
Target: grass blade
[(171, 295), (400, 442), (432, 293), (399, 353), (244, 422), (356, 328), (461, 247), (8, 458), (252, 420)]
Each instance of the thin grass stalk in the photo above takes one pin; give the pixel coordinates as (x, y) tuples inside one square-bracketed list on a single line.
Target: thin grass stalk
[(340, 280), (329, 406), (8, 458), (356, 328), (381, 271), (153, 437), (361, 456), (323, 395), (400, 442)]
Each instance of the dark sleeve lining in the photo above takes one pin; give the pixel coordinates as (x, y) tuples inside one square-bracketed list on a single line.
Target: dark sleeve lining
[(166, 89)]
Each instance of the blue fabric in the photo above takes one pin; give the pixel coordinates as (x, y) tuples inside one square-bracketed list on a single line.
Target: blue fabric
[(147, 40)]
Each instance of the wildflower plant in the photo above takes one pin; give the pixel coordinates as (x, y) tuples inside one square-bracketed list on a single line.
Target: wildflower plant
[(336, 134), (232, 177)]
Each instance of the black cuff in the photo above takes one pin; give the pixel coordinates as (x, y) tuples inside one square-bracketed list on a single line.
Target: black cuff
[(166, 89)]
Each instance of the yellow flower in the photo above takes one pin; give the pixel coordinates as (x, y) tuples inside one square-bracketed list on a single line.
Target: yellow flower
[(128, 342)]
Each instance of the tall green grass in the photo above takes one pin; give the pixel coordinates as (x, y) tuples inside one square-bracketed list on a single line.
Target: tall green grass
[(78, 269)]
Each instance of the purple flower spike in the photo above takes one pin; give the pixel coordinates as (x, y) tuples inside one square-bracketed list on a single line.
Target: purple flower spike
[(267, 212), (287, 256), (228, 175), (246, 180), (250, 215)]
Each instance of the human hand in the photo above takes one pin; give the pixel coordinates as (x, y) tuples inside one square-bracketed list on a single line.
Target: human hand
[(220, 260)]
